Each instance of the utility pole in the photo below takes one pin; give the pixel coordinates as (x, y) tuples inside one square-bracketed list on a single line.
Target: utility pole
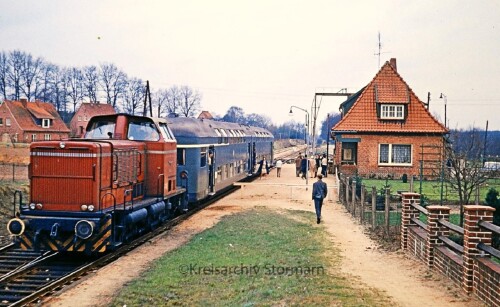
[(315, 109), (147, 94)]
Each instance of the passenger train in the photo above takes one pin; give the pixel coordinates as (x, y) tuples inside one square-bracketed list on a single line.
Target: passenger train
[(127, 176)]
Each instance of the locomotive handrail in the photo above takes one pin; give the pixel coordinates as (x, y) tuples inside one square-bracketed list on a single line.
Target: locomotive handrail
[(158, 186), (20, 201), (113, 232)]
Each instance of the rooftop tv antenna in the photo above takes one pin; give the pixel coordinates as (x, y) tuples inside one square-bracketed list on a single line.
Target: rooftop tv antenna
[(379, 49)]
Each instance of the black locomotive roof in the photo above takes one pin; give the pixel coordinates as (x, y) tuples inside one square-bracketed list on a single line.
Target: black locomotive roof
[(193, 127)]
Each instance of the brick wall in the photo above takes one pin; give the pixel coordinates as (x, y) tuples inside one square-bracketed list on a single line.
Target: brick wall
[(368, 151), (417, 243), (487, 281), (448, 263)]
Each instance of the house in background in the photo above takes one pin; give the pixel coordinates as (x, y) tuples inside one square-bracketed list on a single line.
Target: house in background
[(205, 115), (26, 121), (385, 130), (84, 113)]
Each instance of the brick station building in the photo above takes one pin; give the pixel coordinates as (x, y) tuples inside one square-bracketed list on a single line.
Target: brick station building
[(386, 130)]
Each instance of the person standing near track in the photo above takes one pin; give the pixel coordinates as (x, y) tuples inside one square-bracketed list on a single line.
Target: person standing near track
[(319, 193), (298, 161), (278, 165)]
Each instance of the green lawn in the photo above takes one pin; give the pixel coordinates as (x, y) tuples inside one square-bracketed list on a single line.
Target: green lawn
[(431, 189), (253, 258)]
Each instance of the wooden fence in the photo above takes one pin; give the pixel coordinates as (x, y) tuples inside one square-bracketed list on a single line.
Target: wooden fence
[(381, 212)]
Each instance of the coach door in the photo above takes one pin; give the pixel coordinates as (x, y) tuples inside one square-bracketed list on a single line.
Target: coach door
[(251, 158), (211, 171)]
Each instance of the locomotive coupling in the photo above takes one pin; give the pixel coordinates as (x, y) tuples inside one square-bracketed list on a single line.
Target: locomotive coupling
[(16, 226)]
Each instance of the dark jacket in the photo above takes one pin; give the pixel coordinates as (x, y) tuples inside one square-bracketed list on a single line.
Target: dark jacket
[(319, 189), (303, 165)]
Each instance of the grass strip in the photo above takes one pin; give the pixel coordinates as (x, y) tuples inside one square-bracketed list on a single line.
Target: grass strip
[(254, 258)]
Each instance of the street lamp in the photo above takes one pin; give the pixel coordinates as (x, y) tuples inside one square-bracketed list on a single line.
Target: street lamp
[(443, 96), (306, 138)]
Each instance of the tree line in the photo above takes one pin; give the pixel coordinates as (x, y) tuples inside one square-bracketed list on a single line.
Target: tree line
[(23, 75)]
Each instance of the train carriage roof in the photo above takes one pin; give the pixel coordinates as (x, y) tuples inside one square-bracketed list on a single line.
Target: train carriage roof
[(193, 127)]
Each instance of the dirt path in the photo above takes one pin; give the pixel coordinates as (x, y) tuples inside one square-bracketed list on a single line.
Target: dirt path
[(405, 280)]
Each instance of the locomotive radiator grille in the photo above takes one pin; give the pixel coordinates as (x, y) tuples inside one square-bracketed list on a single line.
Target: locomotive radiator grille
[(125, 166)]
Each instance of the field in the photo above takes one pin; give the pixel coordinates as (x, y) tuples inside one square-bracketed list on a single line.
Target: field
[(253, 258), (431, 189)]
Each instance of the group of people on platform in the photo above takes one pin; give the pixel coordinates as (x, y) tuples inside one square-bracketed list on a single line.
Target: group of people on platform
[(302, 165)]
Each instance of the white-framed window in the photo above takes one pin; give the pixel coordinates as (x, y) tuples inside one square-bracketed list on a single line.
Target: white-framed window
[(47, 137), (33, 137), (394, 154), (7, 122), (392, 111), (1, 121), (45, 123), (79, 118)]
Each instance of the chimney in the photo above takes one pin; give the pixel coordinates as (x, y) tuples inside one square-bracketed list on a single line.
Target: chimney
[(393, 64), (24, 102)]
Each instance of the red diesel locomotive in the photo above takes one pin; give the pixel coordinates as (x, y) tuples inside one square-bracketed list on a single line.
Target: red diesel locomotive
[(93, 194)]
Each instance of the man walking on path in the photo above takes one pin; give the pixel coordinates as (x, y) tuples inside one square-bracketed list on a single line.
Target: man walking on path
[(278, 164), (318, 194)]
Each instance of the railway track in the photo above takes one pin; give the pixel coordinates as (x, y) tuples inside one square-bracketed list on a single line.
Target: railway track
[(288, 155), (38, 274)]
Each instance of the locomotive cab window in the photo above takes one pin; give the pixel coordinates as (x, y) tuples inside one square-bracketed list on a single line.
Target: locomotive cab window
[(181, 156), (166, 132), (101, 130), (142, 131)]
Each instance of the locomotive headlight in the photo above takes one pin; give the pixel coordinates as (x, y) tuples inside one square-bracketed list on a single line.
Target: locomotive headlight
[(91, 208), (39, 206), (62, 145), (16, 227), (84, 229), (84, 207), (32, 206)]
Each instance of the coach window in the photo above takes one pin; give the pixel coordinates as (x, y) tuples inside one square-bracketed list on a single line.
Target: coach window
[(203, 157), (181, 156)]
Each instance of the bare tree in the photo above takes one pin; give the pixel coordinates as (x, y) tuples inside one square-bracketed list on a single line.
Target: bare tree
[(174, 96), (189, 101), (4, 68), (15, 67), (90, 82), (133, 96), (464, 166), (113, 82), (74, 84), (159, 98), (30, 74), (235, 115)]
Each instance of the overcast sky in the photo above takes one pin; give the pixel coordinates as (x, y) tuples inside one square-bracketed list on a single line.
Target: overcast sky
[(265, 56)]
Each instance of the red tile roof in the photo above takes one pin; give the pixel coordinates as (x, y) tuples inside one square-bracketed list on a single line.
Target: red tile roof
[(388, 87), (94, 108), (24, 112)]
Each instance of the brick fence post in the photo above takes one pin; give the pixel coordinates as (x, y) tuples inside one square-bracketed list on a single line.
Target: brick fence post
[(435, 230), (407, 213), (473, 234)]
